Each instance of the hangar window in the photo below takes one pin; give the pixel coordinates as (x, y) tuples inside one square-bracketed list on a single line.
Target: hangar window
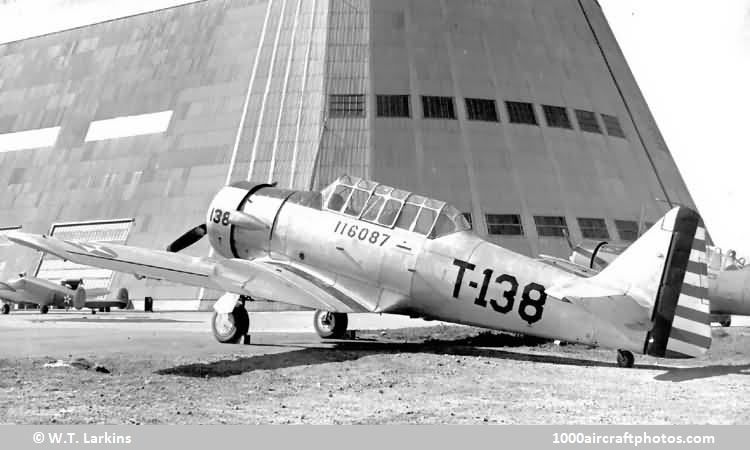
[(521, 112), (438, 107), (504, 224), (346, 105), (21, 140), (557, 116), (126, 126), (627, 229), (587, 121), (54, 269), (393, 106), (612, 125), (554, 226), (593, 228), (481, 109)]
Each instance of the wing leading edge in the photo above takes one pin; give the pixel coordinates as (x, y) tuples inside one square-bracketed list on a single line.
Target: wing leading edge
[(261, 278)]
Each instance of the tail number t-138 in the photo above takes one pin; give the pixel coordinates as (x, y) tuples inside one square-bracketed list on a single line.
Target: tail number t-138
[(529, 309)]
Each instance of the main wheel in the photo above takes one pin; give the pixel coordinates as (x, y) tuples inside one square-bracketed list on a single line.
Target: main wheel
[(44, 309), (6, 308), (726, 322), (106, 309), (625, 358), (230, 328), (330, 325)]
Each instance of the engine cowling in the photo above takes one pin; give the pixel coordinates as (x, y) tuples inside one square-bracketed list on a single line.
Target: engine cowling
[(240, 218)]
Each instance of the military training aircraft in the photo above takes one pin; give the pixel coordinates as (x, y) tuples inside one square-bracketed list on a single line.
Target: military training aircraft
[(359, 246), (67, 294), (728, 278)]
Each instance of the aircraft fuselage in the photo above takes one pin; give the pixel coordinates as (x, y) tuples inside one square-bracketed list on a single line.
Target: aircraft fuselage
[(459, 277)]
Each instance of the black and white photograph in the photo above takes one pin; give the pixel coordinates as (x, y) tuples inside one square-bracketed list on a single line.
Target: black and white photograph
[(374, 212)]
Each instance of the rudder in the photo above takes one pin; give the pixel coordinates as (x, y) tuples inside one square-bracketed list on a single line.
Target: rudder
[(680, 318)]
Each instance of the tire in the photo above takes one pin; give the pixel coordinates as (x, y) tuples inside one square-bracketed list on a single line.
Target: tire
[(106, 309), (44, 309), (625, 359), (230, 328), (330, 325), (6, 308), (726, 322)]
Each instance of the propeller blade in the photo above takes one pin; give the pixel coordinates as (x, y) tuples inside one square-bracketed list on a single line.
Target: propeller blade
[(187, 239)]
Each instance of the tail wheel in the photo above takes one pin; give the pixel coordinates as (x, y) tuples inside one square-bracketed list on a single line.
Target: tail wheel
[(44, 309), (330, 325), (230, 328), (625, 358), (6, 308)]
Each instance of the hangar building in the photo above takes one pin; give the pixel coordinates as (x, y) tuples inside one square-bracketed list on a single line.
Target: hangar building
[(524, 114)]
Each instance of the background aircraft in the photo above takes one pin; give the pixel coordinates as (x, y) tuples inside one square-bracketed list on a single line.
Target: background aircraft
[(728, 278), (44, 293), (360, 246)]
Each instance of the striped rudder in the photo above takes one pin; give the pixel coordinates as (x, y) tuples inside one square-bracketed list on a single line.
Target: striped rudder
[(680, 319)]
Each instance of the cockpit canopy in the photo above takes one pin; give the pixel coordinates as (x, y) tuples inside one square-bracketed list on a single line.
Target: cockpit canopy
[(389, 207)]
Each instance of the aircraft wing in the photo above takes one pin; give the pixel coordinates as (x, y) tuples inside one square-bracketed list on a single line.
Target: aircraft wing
[(261, 278)]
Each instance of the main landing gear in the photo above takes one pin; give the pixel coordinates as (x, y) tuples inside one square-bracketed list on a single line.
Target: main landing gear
[(44, 309), (231, 328), (330, 325), (6, 308), (625, 358)]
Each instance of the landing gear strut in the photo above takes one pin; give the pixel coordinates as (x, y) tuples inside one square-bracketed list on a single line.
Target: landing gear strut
[(330, 325), (625, 358), (231, 328)]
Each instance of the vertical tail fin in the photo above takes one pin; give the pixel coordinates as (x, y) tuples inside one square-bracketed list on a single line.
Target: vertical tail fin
[(665, 270)]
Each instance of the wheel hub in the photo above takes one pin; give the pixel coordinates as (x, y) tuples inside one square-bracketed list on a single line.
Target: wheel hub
[(224, 323), (327, 321)]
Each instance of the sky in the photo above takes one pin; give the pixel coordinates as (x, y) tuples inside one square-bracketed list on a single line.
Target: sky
[(691, 59)]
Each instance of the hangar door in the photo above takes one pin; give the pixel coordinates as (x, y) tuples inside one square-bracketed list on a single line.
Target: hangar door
[(54, 269), (4, 243)]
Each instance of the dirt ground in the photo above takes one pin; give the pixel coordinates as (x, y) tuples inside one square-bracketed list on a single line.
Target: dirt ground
[(440, 374)]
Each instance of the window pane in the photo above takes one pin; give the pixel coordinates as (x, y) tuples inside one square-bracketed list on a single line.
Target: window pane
[(557, 116), (338, 198), (373, 208), (406, 218), (627, 229), (443, 226), (481, 109), (520, 112), (393, 106), (425, 220), (554, 226), (504, 224), (357, 202), (612, 125), (593, 228), (587, 121), (388, 216), (438, 107), (346, 105)]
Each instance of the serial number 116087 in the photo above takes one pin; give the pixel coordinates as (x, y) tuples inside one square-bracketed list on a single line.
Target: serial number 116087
[(364, 234)]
